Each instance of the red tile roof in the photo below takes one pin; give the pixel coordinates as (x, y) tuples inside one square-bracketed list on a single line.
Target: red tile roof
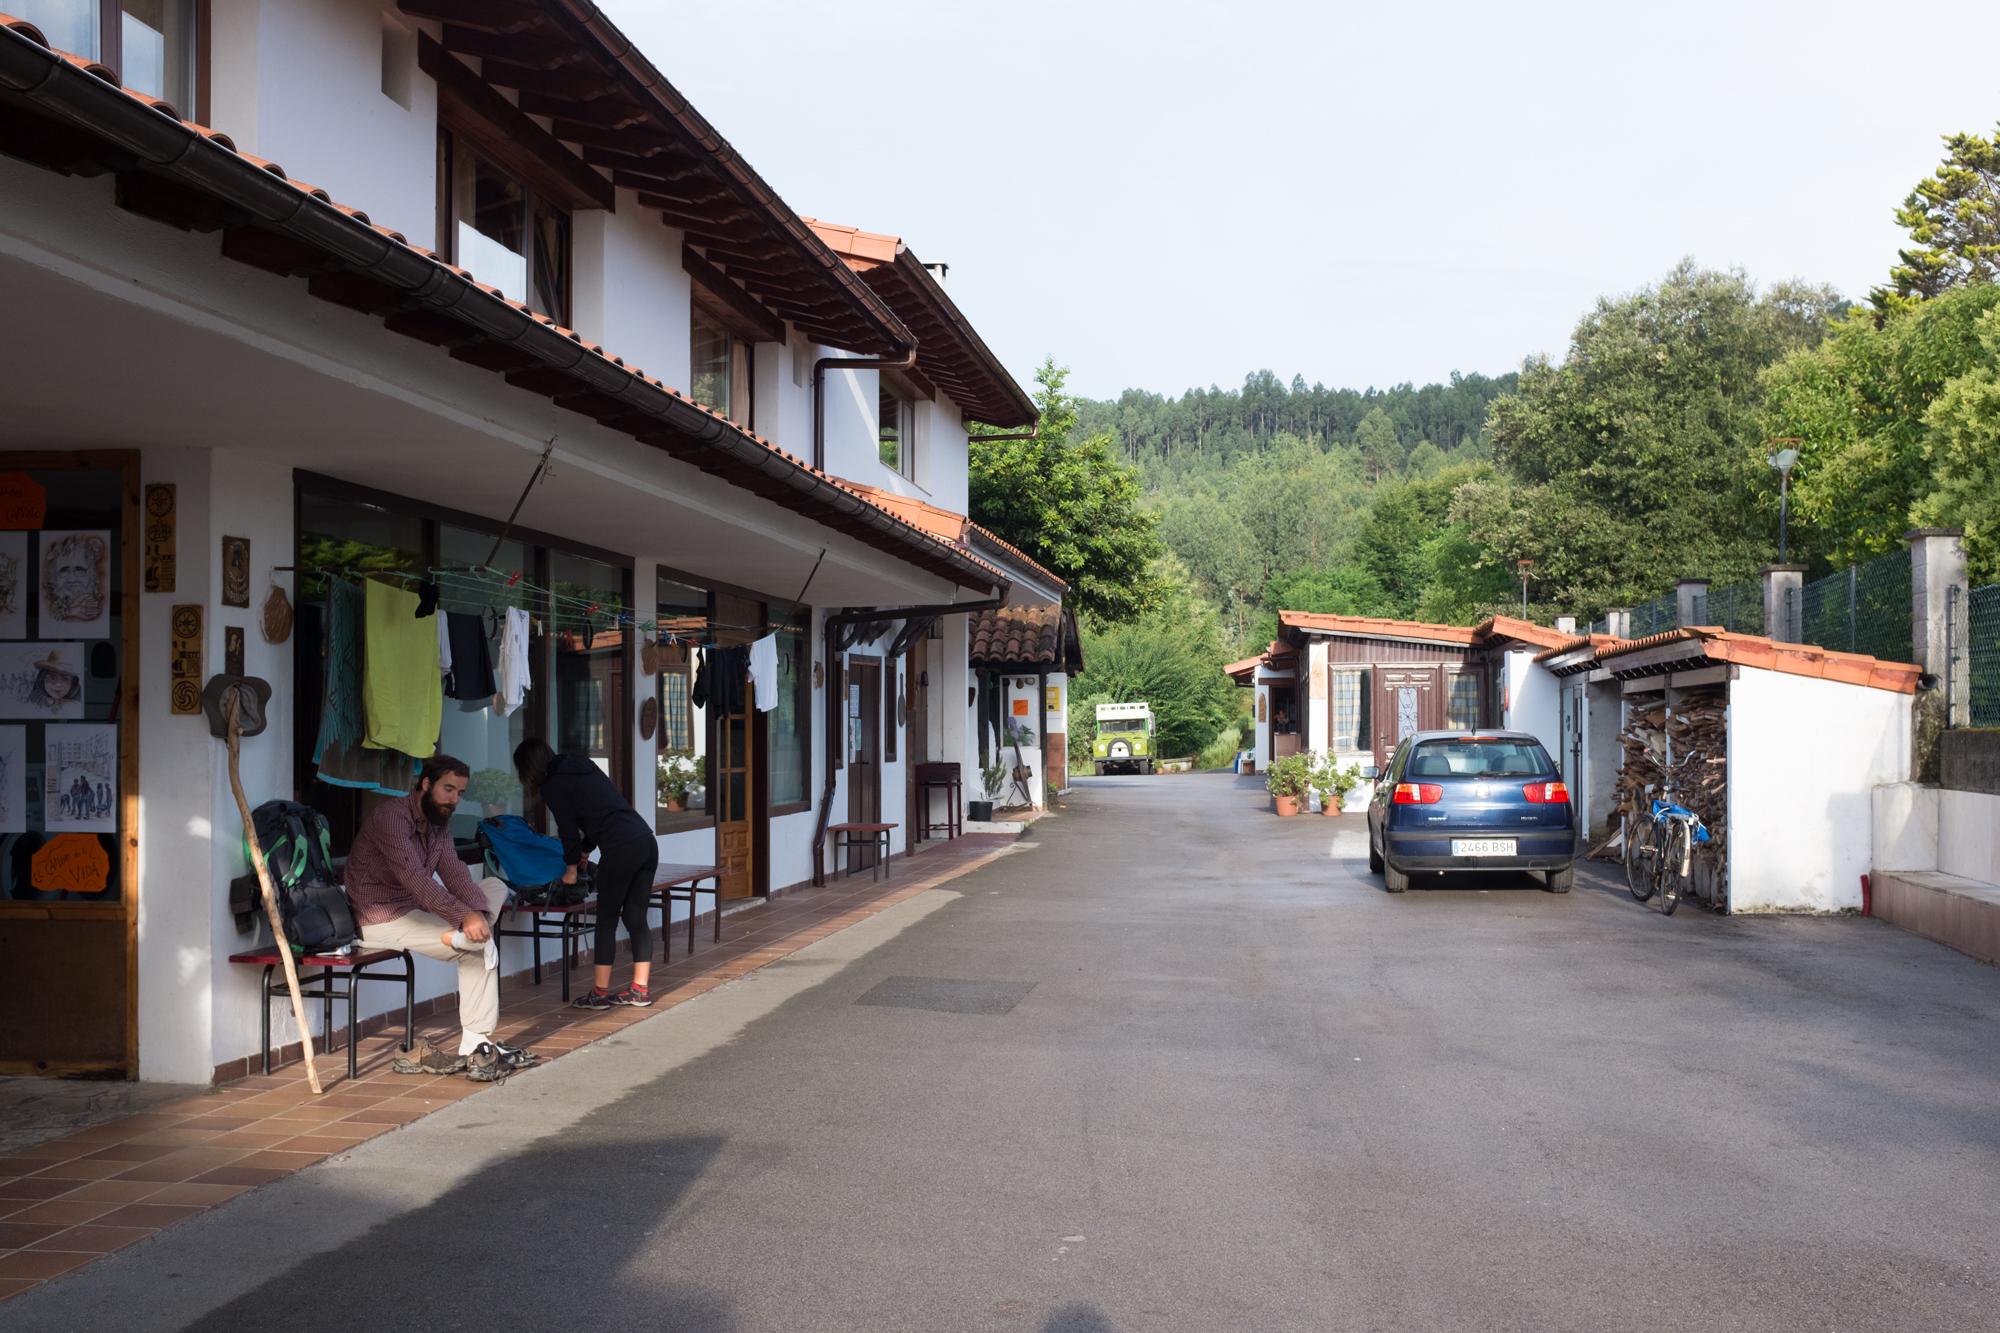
[(1023, 636), (1795, 659), (1375, 628), (578, 386), (953, 527)]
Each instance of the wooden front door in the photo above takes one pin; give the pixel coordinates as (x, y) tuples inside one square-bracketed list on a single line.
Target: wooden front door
[(864, 749), (1407, 699), (733, 789)]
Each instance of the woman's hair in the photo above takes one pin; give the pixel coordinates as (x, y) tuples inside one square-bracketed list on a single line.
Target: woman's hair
[(531, 762)]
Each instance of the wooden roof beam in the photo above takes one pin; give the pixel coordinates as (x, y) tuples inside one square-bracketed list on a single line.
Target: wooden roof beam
[(517, 51), (497, 16)]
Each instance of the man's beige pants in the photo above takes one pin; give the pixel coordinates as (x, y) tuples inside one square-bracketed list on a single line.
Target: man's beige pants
[(478, 989)]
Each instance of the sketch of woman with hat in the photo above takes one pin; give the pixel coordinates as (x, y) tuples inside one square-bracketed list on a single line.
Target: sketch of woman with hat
[(55, 687)]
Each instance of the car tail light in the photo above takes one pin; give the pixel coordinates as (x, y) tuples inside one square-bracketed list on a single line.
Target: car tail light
[(1547, 793), (1418, 793)]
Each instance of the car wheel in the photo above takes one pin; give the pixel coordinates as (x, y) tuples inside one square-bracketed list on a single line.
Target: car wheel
[(1562, 881), (1374, 859), (1394, 880)]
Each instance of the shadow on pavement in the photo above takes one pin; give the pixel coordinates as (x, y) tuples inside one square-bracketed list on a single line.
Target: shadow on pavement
[(1077, 1319)]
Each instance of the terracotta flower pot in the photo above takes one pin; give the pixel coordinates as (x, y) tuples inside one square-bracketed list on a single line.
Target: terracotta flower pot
[(1330, 806), (1287, 805), (677, 803)]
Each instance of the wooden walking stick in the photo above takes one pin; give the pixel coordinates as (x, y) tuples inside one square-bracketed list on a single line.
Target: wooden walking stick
[(270, 897)]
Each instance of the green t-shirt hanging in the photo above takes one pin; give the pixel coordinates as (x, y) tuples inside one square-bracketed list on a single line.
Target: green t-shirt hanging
[(402, 692)]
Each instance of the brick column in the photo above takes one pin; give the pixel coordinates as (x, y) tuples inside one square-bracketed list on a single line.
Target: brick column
[(1690, 601), (1937, 580), (1781, 601)]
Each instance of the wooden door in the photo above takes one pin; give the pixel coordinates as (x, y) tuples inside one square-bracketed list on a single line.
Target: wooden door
[(731, 793), (1407, 699), (864, 749)]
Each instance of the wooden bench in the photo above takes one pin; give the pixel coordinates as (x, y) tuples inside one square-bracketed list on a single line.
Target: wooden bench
[(672, 883), (337, 976), (572, 921), (846, 837)]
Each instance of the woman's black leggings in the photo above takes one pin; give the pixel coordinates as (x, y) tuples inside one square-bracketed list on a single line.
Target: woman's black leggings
[(624, 893)]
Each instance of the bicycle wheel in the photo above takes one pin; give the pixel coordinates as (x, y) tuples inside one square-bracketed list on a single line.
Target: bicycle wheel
[(1641, 848), (1673, 867)]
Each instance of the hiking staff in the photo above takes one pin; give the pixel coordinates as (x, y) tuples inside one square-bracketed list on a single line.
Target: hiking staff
[(231, 691)]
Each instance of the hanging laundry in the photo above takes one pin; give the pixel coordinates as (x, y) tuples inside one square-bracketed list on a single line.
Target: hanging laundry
[(515, 678), (427, 600), (764, 672), (444, 648), (338, 752), (402, 693), (471, 657), (718, 684)]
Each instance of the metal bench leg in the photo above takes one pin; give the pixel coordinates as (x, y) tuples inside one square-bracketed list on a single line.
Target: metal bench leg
[(353, 1026), (409, 1001), (535, 935), (715, 891), (887, 870), (693, 898), (264, 1029)]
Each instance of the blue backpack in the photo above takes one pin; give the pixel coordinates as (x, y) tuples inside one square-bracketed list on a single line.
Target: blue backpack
[(531, 863)]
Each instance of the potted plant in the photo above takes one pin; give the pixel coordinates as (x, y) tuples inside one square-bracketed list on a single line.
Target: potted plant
[(491, 789), (1288, 780), (676, 774), (1333, 782), (993, 779)]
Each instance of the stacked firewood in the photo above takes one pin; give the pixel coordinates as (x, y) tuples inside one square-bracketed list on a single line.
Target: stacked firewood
[(1697, 775)]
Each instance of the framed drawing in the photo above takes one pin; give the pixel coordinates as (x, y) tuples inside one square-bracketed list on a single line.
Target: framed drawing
[(15, 585), (76, 585), (41, 682), (80, 778)]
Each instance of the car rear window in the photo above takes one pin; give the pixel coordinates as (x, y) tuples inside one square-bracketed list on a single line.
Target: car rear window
[(1475, 757)]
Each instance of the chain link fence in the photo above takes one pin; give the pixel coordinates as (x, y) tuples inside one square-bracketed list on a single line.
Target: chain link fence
[(1864, 608), (1737, 607), (1977, 636), (1654, 617)]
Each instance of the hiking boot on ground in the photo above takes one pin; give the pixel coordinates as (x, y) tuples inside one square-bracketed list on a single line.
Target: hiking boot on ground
[(427, 1059), (486, 1064)]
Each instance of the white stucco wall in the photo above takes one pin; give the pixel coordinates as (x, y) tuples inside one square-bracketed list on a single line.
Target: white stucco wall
[(1023, 689), (631, 294), (1805, 757), (301, 84), (1534, 700)]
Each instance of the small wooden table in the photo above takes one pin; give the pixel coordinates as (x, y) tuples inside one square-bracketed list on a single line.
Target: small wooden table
[(846, 837), (935, 777), (674, 882)]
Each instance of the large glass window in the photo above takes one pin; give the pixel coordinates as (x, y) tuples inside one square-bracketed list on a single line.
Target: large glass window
[(713, 378), (590, 650), (681, 620), (152, 46), (790, 721), (505, 235), (1349, 701), (889, 430), (473, 729)]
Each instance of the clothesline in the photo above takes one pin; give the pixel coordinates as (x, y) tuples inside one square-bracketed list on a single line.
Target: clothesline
[(475, 590)]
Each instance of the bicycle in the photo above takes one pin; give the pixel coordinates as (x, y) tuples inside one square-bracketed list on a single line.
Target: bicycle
[(1659, 853)]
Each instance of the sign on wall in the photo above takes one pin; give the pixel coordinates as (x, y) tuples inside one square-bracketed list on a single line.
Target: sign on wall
[(161, 525)]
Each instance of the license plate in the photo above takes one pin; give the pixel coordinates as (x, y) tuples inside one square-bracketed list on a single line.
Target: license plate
[(1482, 846)]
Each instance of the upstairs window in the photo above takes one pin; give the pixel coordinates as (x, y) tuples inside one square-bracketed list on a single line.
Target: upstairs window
[(893, 432), (720, 374), (502, 231), (150, 43)]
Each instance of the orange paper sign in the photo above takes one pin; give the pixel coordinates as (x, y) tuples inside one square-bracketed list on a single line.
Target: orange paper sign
[(1020, 708), (24, 502), (71, 863)]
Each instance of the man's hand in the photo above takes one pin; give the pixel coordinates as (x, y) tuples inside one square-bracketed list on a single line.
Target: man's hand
[(569, 875), (476, 928)]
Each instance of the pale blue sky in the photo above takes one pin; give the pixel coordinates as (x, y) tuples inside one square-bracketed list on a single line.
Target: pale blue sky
[(1170, 194)]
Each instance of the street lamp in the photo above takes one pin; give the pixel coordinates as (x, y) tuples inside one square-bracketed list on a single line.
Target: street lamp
[(1524, 566), (1785, 459)]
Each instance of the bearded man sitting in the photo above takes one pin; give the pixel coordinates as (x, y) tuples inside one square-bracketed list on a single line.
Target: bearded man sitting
[(410, 891)]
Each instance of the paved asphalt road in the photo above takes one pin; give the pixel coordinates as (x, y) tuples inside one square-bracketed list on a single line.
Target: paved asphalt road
[(1238, 1087)]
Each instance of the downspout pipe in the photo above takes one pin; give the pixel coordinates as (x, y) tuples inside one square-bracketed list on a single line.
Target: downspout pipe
[(908, 361), (835, 707)]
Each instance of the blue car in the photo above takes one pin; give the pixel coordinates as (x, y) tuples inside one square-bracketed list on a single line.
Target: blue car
[(1471, 800)]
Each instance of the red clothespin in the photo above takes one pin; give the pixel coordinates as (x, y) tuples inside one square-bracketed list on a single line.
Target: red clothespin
[(514, 578)]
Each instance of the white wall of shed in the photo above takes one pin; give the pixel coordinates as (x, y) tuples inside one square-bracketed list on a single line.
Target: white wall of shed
[(1805, 758), (1534, 699)]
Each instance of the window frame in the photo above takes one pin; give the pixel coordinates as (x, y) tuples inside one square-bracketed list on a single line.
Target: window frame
[(190, 97), (454, 147), (802, 687), (741, 375)]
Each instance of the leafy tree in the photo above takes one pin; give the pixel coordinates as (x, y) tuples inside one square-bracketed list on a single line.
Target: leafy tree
[(1637, 458), (1170, 657), (1860, 404), (1953, 218), (1066, 500), (1381, 451), (1963, 449)]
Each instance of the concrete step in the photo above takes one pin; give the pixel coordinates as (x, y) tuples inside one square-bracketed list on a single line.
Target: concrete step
[(1963, 913)]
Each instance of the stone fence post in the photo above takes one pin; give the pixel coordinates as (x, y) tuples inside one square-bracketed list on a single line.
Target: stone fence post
[(1937, 581), (1690, 601), (1781, 602)]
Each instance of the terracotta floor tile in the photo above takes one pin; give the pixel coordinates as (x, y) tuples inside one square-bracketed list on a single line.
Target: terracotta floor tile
[(37, 1188), (64, 1212), (223, 1122), (306, 1115), (134, 1153), (250, 1140), (39, 1264), (275, 1160), (54, 1150), (15, 1286), (246, 1176), (20, 1235), (177, 1137), (188, 1193), (352, 1101), (327, 1144), (154, 1215), (388, 1114), (113, 1191), (94, 1240), (81, 1170)]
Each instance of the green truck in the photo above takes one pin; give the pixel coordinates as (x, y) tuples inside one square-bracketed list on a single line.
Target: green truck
[(1124, 741)]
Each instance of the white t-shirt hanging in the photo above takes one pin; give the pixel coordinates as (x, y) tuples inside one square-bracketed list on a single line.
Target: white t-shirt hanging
[(764, 672), (515, 678)]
